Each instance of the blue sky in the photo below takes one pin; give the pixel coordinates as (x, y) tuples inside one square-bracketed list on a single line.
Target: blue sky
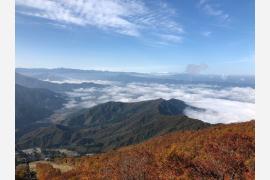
[(136, 35)]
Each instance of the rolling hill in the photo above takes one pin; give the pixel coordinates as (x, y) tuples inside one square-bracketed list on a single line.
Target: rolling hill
[(218, 152), (112, 125)]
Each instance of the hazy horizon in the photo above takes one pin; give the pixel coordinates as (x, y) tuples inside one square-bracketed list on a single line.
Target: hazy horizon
[(126, 71)]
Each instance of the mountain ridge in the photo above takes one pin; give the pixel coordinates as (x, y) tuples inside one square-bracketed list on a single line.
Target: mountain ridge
[(31, 82), (112, 125)]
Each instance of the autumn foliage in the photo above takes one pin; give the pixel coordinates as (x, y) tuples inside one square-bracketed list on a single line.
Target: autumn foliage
[(46, 171), (21, 172), (219, 152)]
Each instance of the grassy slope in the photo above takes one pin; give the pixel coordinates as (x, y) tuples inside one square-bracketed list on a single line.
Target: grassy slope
[(222, 151)]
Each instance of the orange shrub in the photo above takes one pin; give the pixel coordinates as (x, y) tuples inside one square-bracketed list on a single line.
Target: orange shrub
[(46, 171)]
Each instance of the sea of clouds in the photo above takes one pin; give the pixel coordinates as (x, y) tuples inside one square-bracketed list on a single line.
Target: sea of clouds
[(221, 104)]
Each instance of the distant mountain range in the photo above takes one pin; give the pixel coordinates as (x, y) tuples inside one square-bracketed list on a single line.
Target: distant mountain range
[(60, 74), (112, 125), (31, 82)]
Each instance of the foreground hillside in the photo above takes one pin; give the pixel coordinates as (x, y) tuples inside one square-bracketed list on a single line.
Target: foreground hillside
[(218, 152)]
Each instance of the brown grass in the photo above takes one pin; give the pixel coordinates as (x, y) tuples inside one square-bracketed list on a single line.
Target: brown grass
[(62, 167), (219, 152)]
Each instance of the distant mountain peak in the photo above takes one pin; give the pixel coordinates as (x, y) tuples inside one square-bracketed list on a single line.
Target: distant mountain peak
[(172, 107)]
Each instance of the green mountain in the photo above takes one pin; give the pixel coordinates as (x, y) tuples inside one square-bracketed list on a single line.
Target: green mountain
[(35, 104), (112, 125)]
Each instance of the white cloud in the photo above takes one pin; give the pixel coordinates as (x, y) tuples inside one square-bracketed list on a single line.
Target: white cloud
[(171, 38), (128, 17), (206, 33), (222, 105), (214, 10)]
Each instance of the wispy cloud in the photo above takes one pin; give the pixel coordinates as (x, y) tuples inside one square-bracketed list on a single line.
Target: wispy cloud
[(170, 38), (127, 17), (206, 33), (212, 9)]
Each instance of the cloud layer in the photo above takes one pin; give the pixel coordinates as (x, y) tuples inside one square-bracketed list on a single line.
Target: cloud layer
[(222, 105), (128, 17)]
